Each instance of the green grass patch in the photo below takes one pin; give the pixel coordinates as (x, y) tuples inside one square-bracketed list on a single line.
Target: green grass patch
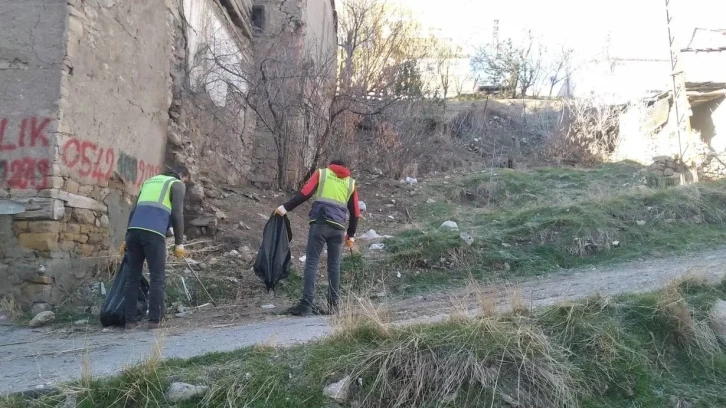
[(635, 350), (539, 237)]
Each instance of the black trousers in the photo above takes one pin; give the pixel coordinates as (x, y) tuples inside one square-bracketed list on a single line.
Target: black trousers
[(145, 245)]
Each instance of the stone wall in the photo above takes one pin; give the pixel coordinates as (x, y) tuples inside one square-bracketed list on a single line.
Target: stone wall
[(96, 96), (97, 131)]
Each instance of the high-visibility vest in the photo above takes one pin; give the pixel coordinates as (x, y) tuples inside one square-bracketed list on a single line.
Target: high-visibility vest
[(331, 198), (333, 189), (153, 207)]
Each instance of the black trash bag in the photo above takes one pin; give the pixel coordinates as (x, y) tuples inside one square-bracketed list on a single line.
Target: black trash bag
[(112, 312), (273, 259)]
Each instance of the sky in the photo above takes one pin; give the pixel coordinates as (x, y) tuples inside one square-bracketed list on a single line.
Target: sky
[(637, 28)]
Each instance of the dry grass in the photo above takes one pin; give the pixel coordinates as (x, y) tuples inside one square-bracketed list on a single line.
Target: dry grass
[(358, 311), (484, 360), (10, 308), (695, 335)]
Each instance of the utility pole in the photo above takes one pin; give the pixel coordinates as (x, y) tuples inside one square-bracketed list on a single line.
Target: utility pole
[(495, 39), (680, 100)]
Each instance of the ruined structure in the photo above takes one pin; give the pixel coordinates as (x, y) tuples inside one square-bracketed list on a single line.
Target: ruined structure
[(648, 127), (98, 95)]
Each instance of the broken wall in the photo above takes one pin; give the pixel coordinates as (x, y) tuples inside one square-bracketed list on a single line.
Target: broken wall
[(97, 82), (302, 34), (31, 54)]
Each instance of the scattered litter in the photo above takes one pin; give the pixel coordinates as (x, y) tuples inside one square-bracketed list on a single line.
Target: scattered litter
[(411, 181), (81, 322), (467, 238), (204, 305), (372, 234), (264, 217), (103, 289), (186, 290), (391, 217), (398, 275), (393, 201), (362, 206), (268, 307), (616, 243), (377, 247), (505, 245), (233, 252), (303, 258), (430, 201), (640, 223), (450, 225), (243, 226)]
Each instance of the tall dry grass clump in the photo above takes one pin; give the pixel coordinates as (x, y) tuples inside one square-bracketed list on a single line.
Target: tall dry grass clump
[(485, 362), (694, 334)]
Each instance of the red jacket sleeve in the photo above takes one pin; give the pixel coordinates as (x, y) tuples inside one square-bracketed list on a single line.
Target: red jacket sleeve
[(304, 194)]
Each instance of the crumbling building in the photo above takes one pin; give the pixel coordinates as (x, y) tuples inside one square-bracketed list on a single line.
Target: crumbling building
[(98, 95)]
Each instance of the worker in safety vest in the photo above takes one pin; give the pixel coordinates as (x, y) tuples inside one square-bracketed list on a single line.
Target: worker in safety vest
[(160, 205), (334, 193)]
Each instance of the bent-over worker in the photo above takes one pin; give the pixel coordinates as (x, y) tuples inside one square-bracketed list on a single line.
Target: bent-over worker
[(334, 193), (159, 206)]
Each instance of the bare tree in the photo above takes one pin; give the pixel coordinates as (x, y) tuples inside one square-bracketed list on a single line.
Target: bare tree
[(560, 68)]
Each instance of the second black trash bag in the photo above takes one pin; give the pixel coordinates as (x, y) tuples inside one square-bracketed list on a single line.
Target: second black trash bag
[(273, 259), (112, 312)]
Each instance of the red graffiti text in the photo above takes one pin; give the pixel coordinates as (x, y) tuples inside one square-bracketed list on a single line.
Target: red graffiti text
[(24, 170)]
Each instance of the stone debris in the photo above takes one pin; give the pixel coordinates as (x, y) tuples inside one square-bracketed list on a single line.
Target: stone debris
[(371, 235), (179, 391), (449, 225), (467, 238), (338, 391), (42, 318)]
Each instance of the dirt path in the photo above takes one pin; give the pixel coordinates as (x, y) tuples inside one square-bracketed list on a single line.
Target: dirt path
[(31, 358)]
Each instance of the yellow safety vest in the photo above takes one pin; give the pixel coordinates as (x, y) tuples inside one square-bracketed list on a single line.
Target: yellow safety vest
[(153, 207), (333, 189)]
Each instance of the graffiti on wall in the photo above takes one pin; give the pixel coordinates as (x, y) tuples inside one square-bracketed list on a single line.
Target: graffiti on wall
[(24, 171), (87, 159)]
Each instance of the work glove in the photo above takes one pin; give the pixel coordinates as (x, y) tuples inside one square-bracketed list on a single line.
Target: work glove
[(179, 251), (123, 247), (281, 211), (349, 242)]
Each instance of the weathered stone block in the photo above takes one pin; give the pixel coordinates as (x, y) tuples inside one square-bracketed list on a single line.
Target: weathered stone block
[(41, 241), (34, 293), (96, 238), (40, 280), (71, 186), (73, 228), (85, 229), (21, 226), (83, 216), (66, 245), (85, 190), (45, 226), (87, 250)]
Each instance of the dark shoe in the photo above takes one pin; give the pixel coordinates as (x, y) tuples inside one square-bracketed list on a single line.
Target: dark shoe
[(304, 309), (153, 325), (131, 326)]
